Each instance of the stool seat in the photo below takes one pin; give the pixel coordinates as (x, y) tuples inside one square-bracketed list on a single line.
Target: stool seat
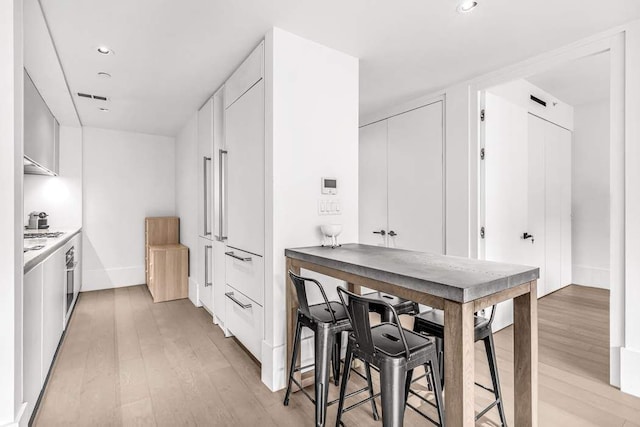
[(400, 305), (432, 323), (386, 339), (320, 312)]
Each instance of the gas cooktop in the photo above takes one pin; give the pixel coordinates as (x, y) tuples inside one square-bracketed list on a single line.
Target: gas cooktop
[(43, 235)]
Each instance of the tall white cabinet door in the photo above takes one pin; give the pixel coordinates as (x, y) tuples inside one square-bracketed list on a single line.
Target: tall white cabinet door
[(244, 128), (205, 169), (372, 184), (557, 207), (218, 212), (53, 304), (536, 219), (205, 272), (415, 180), (32, 337)]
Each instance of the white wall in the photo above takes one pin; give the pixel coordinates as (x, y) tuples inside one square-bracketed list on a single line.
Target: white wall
[(59, 196), (312, 104), (590, 195), (187, 197), (11, 152), (127, 177)]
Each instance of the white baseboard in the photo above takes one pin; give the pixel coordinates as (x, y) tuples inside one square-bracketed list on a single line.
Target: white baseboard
[(630, 371), (93, 280), (594, 277), (273, 366)]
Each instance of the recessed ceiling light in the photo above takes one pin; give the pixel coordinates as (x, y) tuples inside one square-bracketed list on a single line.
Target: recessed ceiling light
[(465, 6), (104, 75), (103, 109), (104, 50)]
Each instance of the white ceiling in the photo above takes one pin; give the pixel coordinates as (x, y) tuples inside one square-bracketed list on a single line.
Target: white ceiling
[(577, 82), (171, 55)]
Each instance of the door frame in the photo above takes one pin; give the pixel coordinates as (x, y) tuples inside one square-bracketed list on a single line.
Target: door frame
[(414, 105), (614, 43)]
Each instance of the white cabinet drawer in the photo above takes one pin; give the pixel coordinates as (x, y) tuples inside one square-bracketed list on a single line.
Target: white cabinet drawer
[(245, 272), (245, 320), (247, 74)]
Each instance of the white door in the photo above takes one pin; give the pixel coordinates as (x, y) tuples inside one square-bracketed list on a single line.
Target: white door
[(244, 129), (505, 189), (205, 272), (372, 184), (219, 203), (415, 180), (557, 206), (536, 221), (205, 166)]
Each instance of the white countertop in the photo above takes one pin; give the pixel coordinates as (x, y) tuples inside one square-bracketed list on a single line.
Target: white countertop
[(33, 258)]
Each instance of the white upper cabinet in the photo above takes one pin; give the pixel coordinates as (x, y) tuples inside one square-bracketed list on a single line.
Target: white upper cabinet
[(205, 170), (245, 138), (247, 75), (372, 181)]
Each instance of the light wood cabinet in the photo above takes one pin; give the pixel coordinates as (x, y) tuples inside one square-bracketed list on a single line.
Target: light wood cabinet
[(168, 272), (160, 231)]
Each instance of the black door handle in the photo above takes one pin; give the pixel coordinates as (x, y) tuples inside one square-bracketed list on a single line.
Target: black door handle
[(381, 232), (526, 236), (392, 233)]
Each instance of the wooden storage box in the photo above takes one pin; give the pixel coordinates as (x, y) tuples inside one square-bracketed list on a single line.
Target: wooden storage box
[(168, 269), (159, 231)]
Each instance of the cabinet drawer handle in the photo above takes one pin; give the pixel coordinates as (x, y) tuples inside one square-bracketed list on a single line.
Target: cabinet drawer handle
[(232, 298), (232, 255)]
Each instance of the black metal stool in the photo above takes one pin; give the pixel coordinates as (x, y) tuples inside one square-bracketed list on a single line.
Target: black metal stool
[(400, 305), (395, 351), (327, 320), (432, 323)]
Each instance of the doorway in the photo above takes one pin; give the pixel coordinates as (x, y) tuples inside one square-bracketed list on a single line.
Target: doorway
[(545, 178)]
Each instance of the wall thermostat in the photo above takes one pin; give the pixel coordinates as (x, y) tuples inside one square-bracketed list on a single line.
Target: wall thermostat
[(329, 186)]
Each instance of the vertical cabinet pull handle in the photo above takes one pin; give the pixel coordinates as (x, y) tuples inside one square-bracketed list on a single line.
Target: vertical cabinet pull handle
[(207, 282), (392, 233), (222, 194), (206, 159)]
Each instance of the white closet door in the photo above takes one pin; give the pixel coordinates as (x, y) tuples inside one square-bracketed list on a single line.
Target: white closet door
[(557, 207), (535, 253), (244, 127), (415, 179), (505, 189), (373, 184)]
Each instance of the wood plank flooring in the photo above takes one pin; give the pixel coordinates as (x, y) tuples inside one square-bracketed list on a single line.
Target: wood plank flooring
[(126, 361)]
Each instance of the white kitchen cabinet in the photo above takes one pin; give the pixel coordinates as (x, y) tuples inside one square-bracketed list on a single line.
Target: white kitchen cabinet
[(245, 137), (246, 75), (205, 273), (401, 181), (32, 338), (219, 283), (205, 169), (53, 306), (246, 320)]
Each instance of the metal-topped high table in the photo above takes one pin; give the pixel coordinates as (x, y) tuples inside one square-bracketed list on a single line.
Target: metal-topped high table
[(460, 287)]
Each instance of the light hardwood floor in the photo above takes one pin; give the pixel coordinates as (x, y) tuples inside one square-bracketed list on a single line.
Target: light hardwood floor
[(127, 361)]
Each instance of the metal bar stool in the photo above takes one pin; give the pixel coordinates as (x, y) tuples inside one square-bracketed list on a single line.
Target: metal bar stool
[(400, 305), (327, 320), (395, 351), (432, 323)]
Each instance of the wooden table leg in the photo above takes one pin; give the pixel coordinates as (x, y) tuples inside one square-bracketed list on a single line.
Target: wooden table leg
[(356, 289), (292, 307), (459, 366), (525, 343)]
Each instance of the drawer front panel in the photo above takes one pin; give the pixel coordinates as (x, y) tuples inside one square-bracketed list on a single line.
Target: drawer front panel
[(245, 272), (245, 320)]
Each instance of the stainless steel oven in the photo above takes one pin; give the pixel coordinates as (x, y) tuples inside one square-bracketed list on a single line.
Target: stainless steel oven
[(71, 266)]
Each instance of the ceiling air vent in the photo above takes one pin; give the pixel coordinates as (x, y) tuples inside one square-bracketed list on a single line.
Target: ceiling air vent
[(96, 97), (538, 100)]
